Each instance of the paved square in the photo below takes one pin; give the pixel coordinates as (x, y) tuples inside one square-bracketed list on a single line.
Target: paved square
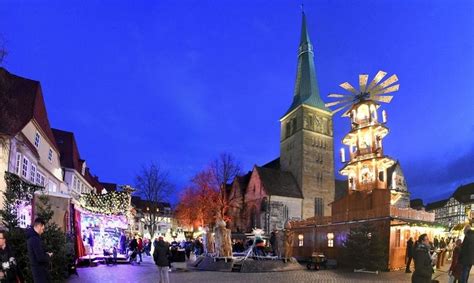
[(147, 272)]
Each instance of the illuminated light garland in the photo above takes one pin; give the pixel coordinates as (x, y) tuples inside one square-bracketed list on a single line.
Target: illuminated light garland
[(109, 203)]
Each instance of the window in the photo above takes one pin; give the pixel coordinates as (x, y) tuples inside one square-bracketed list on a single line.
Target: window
[(39, 178), (300, 240), (32, 173), (52, 187), (318, 207), (18, 163), (287, 130), (37, 139), (330, 240), (24, 167), (50, 155), (293, 125)]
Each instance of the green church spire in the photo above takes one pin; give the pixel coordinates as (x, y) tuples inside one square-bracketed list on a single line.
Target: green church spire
[(306, 86)]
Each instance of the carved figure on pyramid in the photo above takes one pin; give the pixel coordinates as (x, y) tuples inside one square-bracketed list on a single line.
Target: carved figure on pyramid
[(208, 240), (223, 241), (289, 237)]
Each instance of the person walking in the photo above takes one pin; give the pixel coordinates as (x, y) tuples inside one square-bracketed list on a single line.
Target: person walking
[(409, 254), (161, 254), (39, 259), (423, 262), (455, 269), (466, 256), (9, 272), (140, 248)]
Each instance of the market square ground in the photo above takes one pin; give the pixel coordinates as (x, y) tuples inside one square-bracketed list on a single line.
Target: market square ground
[(147, 272)]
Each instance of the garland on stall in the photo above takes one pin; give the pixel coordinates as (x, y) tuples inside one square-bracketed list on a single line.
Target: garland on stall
[(108, 203)]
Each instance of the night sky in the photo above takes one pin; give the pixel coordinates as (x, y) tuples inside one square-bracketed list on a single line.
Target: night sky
[(178, 82)]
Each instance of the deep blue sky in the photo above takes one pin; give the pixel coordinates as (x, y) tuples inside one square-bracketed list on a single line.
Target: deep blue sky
[(179, 82)]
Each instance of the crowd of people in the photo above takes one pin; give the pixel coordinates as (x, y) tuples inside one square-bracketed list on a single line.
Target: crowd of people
[(426, 254)]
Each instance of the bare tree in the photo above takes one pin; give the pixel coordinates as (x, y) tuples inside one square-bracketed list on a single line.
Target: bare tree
[(224, 169), (153, 185)]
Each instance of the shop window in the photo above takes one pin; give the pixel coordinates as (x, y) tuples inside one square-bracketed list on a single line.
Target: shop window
[(330, 240), (300, 240)]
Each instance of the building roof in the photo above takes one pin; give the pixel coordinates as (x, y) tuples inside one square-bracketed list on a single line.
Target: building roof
[(69, 153), (306, 86), (142, 204), (436, 204), (464, 192), (21, 100), (279, 183), (274, 164)]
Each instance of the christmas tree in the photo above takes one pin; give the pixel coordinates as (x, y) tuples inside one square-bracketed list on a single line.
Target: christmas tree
[(364, 249)]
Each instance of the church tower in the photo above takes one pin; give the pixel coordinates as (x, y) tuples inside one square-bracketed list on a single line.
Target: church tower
[(306, 141)]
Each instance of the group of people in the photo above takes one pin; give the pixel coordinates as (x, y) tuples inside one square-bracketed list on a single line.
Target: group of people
[(423, 252)]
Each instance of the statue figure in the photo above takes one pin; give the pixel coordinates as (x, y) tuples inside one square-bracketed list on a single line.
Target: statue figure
[(280, 240), (222, 238), (208, 241), (289, 235)]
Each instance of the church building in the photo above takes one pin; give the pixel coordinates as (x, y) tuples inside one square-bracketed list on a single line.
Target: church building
[(300, 183)]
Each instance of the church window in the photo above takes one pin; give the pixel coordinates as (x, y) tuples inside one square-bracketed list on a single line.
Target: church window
[(293, 125), (318, 207), (300, 240), (330, 240), (288, 129)]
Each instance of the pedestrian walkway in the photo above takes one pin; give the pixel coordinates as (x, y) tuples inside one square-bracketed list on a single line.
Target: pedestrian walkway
[(147, 272)]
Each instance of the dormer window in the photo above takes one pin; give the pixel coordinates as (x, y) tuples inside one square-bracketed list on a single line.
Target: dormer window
[(37, 139), (50, 155)]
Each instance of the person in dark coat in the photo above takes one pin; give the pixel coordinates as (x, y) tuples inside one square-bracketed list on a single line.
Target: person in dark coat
[(456, 267), (466, 255), (39, 259), (161, 254), (9, 272), (409, 254), (423, 263)]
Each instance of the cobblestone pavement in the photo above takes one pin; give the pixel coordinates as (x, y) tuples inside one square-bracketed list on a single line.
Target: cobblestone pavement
[(147, 272)]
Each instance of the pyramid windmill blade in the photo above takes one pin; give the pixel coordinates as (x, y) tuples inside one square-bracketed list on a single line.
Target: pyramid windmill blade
[(385, 99), (347, 86), (386, 83), (380, 75), (338, 95), (363, 82), (342, 107), (338, 102), (386, 90)]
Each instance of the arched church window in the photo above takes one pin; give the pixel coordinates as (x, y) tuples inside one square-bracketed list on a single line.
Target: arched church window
[(288, 129), (293, 125)]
